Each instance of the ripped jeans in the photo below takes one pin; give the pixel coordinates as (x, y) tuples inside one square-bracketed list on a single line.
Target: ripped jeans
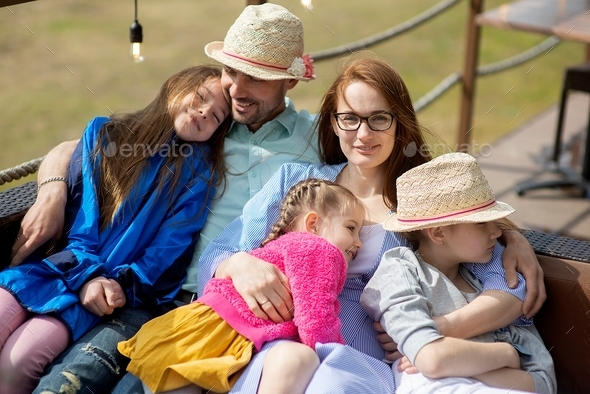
[(93, 364)]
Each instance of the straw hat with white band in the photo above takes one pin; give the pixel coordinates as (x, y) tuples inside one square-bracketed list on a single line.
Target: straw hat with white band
[(265, 42), (450, 189)]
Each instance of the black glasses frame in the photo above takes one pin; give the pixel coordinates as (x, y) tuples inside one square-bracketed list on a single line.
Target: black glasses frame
[(363, 119)]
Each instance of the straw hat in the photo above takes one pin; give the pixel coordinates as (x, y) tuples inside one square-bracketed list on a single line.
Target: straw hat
[(265, 42), (450, 189)]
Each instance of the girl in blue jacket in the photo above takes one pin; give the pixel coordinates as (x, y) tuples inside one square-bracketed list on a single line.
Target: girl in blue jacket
[(141, 183)]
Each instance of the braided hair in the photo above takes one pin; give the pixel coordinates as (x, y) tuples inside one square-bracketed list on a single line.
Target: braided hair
[(324, 197)]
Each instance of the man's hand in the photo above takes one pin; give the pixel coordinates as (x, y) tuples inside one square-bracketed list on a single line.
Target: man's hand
[(520, 256), (45, 219), (390, 347), (101, 296), (262, 285), (42, 223)]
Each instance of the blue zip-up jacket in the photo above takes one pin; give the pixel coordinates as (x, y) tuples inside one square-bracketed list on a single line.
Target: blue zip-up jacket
[(147, 249)]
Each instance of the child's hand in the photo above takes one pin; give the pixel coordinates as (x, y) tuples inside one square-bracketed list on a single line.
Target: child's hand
[(101, 296), (406, 366), (115, 295)]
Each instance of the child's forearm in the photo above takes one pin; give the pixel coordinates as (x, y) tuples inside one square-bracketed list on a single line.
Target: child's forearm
[(508, 378), (491, 310), (447, 357)]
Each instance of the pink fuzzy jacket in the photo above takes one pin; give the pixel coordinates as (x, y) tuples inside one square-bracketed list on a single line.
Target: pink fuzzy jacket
[(316, 270)]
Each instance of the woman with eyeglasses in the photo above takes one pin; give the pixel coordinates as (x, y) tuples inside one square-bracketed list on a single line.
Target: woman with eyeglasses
[(368, 136)]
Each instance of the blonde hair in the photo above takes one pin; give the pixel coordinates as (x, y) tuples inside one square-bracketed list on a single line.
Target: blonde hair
[(152, 128), (324, 197)]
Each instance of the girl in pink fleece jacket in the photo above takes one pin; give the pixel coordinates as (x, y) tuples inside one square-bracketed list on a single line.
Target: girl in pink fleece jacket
[(207, 343)]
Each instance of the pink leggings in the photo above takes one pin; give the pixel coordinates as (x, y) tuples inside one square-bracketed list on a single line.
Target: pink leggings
[(28, 343)]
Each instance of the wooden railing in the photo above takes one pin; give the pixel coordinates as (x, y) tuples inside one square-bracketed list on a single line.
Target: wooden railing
[(467, 77)]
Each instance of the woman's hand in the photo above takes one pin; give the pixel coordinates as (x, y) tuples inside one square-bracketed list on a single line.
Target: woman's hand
[(101, 296), (390, 347), (520, 256), (262, 285)]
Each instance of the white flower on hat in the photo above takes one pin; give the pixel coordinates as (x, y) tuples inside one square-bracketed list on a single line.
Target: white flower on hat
[(297, 67), (302, 67)]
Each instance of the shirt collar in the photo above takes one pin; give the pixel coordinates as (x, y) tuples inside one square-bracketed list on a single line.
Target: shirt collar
[(288, 117)]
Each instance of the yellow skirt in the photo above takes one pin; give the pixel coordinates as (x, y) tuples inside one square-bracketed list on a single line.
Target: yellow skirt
[(190, 344)]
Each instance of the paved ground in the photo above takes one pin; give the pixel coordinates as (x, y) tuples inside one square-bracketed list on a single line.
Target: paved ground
[(524, 154)]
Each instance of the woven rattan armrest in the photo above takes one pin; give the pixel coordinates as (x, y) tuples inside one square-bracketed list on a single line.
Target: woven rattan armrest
[(556, 246), (563, 320)]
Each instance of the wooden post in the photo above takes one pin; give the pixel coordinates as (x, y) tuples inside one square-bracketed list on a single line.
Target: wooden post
[(468, 79)]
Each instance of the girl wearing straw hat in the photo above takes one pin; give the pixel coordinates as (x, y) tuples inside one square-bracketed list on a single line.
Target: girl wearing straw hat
[(366, 123), (447, 210)]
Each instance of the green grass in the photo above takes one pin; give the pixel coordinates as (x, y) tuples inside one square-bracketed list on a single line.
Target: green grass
[(43, 103)]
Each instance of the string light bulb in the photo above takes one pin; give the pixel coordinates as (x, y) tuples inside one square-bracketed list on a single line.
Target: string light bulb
[(136, 38), (307, 4)]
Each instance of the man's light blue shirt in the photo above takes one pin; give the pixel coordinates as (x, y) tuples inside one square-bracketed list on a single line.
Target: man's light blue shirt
[(251, 159)]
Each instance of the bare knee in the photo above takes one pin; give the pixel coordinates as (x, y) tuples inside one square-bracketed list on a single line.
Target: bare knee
[(288, 368), (291, 356)]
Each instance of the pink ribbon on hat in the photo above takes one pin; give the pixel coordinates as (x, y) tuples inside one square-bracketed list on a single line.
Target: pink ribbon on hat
[(253, 62), (306, 60), (477, 208)]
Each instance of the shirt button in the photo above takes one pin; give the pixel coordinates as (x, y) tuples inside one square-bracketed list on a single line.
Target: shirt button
[(253, 174)]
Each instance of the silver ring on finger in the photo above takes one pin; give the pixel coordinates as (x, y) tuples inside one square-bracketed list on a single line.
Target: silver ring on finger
[(264, 302)]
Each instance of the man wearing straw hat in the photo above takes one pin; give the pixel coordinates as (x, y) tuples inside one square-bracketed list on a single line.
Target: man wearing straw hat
[(263, 58)]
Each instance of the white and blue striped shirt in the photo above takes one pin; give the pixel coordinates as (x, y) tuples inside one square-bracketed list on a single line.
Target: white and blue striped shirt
[(251, 228)]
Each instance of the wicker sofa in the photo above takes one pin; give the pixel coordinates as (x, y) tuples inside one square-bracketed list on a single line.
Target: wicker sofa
[(564, 320)]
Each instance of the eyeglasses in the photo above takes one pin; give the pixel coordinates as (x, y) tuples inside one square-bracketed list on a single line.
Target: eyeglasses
[(352, 122)]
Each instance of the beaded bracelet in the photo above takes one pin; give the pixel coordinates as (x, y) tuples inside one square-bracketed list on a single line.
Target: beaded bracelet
[(55, 178)]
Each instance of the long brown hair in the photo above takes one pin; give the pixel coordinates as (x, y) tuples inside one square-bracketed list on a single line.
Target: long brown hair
[(409, 150), (151, 129), (327, 198)]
